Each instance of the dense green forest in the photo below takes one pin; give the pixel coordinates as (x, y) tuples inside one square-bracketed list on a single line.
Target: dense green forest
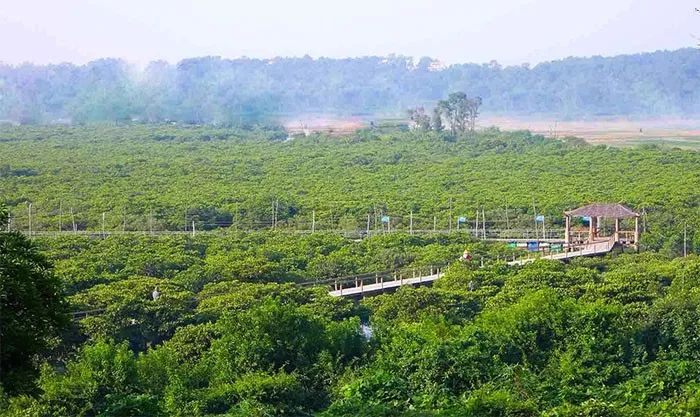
[(164, 178), (232, 322), (241, 91), (231, 334)]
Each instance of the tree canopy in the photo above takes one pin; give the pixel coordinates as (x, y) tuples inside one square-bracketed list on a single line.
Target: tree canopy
[(32, 307), (243, 91), (611, 336), (167, 178), (242, 323)]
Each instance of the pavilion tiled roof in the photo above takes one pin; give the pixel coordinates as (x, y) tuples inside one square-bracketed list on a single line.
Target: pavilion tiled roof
[(611, 211)]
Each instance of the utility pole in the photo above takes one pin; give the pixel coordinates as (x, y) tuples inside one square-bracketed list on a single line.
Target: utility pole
[(274, 213), (368, 219), (534, 211), (72, 217), (60, 216), (450, 230), (544, 233), (483, 222), (476, 224), (30, 220), (313, 221), (410, 227), (374, 212), (193, 231), (507, 220)]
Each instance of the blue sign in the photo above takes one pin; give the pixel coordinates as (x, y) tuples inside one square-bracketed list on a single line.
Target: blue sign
[(533, 246), (539, 218), (385, 219), (462, 220)]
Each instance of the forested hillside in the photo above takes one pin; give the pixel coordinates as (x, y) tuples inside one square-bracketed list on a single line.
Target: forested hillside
[(242, 91)]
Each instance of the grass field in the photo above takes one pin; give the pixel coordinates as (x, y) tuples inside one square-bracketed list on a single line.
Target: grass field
[(672, 132)]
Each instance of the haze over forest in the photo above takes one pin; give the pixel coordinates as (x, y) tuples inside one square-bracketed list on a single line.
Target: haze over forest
[(242, 91), (254, 209)]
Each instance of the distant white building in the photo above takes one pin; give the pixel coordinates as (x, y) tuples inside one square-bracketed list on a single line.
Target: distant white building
[(436, 66)]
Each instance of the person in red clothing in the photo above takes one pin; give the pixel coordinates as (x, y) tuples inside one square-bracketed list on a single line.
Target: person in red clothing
[(466, 256)]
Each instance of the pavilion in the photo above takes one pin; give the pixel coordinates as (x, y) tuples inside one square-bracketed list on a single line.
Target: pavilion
[(596, 212)]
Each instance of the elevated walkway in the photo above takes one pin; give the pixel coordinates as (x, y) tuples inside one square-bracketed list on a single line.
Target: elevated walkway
[(373, 284), (589, 249), (383, 286)]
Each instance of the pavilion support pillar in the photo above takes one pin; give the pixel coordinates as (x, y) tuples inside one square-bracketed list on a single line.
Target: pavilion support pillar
[(636, 233), (617, 230), (567, 231), (591, 229), (596, 229)]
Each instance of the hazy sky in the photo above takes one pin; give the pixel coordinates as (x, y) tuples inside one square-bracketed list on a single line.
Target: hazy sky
[(510, 31)]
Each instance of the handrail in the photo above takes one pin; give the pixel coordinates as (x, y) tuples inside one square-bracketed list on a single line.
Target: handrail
[(491, 234)]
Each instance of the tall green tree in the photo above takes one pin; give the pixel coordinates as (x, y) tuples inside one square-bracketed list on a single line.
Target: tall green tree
[(437, 119), (460, 111), (420, 118), (32, 307)]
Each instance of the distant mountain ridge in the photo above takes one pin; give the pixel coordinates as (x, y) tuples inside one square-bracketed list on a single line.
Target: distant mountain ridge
[(239, 91)]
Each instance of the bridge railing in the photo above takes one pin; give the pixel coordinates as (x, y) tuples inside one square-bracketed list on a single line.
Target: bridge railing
[(359, 280), (408, 274), (571, 250), (488, 234)]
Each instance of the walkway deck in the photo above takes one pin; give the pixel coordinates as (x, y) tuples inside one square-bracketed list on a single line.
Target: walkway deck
[(383, 286), (591, 249), (358, 288)]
